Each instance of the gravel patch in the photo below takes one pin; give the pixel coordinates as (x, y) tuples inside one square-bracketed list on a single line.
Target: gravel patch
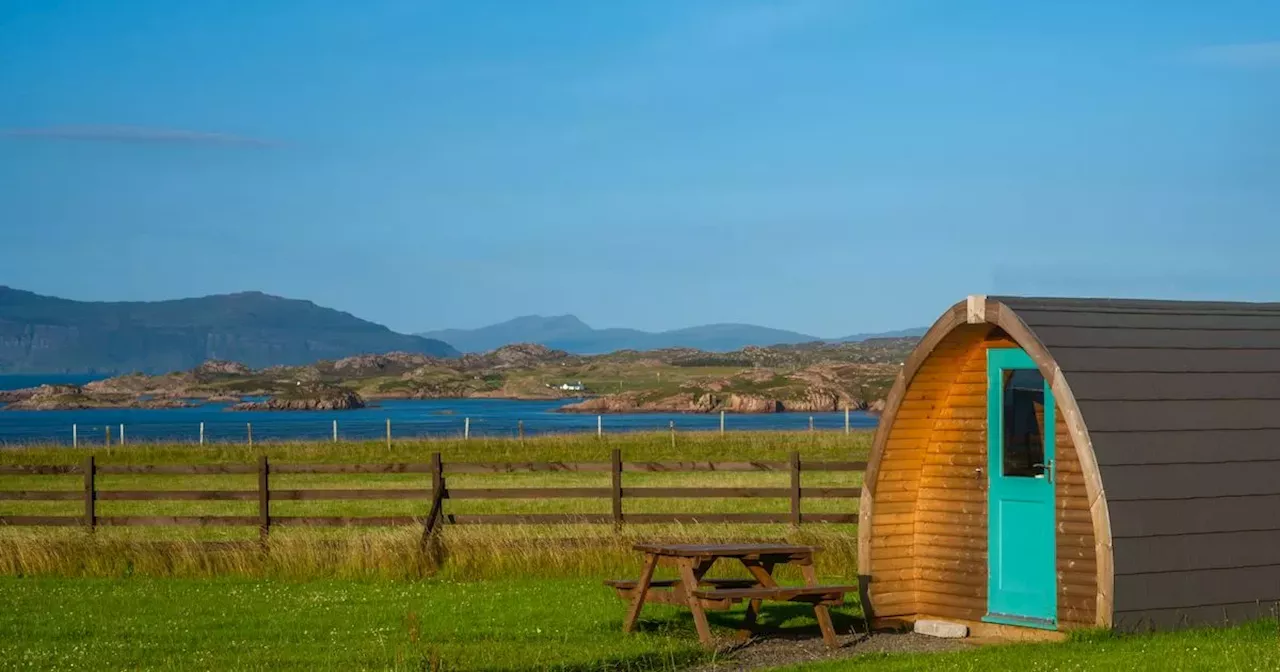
[(768, 652)]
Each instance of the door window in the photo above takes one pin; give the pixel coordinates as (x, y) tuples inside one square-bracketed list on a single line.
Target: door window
[(1023, 399)]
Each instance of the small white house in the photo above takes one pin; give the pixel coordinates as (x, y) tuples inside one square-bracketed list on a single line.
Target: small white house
[(569, 387)]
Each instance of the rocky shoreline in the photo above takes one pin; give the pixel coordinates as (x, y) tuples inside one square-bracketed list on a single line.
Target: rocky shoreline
[(314, 398), (74, 397), (709, 403)]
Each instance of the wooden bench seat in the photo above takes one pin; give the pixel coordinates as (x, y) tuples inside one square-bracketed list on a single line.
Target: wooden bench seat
[(828, 595), (670, 591)]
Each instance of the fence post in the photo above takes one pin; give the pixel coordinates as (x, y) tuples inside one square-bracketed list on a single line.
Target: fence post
[(795, 488), (520, 430), (430, 545), (673, 433), (264, 500), (599, 425), (811, 423), (722, 422), (75, 438), (108, 443), (616, 459), (466, 428), (122, 433), (90, 493), (437, 474), (846, 418), (335, 431), (388, 434), (249, 426), (202, 433)]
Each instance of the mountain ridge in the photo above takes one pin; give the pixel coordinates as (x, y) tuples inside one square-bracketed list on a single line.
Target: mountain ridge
[(571, 334), (46, 334)]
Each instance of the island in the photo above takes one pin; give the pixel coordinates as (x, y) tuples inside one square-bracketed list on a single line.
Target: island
[(813, 377)]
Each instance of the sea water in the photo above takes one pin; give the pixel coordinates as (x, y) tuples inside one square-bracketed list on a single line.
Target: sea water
[(409, 418)]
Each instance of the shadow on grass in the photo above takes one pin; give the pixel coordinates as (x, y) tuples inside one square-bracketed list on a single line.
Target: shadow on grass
[(772, 624)]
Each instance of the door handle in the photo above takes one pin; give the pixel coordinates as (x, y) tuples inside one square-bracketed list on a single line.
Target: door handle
[(1047, 467)]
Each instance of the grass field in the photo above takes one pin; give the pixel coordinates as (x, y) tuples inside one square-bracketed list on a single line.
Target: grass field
[(512, 624), (1248, 647), (251, 624), (505, 597)]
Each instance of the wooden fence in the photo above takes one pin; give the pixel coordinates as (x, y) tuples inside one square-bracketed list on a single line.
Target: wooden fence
[(437, 493)]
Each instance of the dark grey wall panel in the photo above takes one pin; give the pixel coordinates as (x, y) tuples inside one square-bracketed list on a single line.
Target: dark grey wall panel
[(1096, 386), (1068, 304), (1136, 320), (1159, 447), (1140, 518), (1073, 360), (1121, 337), (1185, 481), (1172, 590), (1174, 619), (1173, 414), (1223, 550)]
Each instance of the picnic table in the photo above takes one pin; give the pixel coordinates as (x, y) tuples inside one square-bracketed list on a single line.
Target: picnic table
[(700, 594)]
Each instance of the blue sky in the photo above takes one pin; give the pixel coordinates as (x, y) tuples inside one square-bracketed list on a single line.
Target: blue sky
[(825, 166)]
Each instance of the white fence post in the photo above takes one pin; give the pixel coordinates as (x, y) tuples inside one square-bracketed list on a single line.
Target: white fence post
[(599, 425), (846, 419), (122, 433), (466, 428), (202, 433), (335, 431), (722, 422), (75, 437)]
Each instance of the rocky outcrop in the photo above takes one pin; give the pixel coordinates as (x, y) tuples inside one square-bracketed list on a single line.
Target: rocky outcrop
[(518, 356), (221, 367), (74, 397), (391, 362), (10, 396), (684, 402), (308, 398)]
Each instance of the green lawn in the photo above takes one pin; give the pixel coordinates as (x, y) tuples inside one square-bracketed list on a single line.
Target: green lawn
[(521, 624), (511, 624), (1253, 646)]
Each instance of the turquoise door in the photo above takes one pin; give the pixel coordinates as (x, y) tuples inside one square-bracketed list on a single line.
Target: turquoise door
[(1021, 554)]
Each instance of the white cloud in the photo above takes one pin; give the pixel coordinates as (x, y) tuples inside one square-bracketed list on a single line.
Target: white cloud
[(1245, 55)]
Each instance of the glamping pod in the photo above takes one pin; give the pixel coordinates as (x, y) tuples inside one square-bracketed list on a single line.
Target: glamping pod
[(1049, 464)]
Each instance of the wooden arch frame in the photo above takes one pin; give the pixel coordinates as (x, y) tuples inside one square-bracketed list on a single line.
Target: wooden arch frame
[(980, 310)]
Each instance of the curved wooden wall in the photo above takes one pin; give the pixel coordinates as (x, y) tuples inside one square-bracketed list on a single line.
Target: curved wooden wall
[(927, 504)]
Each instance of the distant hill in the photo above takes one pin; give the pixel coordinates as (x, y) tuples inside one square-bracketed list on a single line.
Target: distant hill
[(900, 333), (566, 332), (44, 334)]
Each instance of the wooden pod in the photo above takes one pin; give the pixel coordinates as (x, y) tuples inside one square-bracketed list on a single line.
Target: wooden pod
[(924, 534)]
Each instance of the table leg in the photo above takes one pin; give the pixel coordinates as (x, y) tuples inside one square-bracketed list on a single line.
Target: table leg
[(689, 577), (820, 610), (763, 573), (640, 593)]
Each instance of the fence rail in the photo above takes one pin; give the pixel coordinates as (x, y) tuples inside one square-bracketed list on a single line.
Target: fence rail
[(436, 491)]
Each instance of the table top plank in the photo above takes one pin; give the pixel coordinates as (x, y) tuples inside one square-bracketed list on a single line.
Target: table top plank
[(724, 550)]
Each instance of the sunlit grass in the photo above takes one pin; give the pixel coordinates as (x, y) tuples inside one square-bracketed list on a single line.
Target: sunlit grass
[(1252, 646)]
